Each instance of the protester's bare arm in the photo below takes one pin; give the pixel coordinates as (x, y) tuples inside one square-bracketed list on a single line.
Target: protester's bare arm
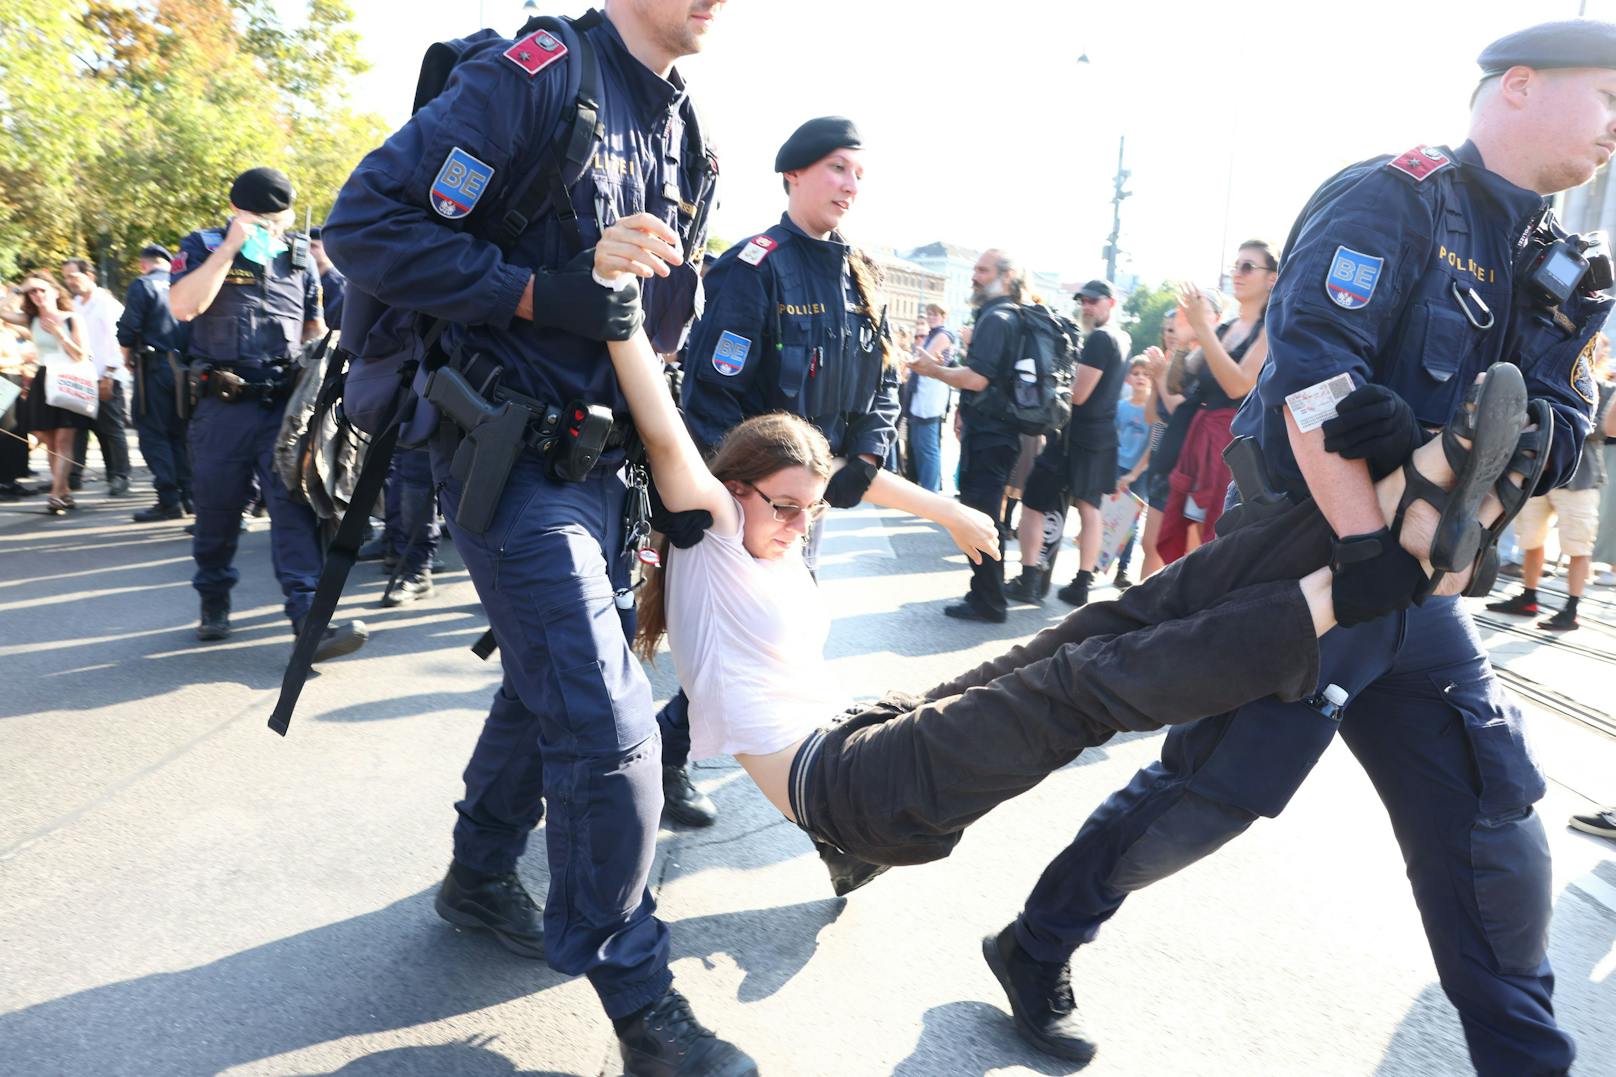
[(1083, 383), (972, 531)]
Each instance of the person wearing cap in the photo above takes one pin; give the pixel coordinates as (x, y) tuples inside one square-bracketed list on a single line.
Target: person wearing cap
[(1403, 278), (436, 224), (1079, 465), (794, 323), (148, 333), (250, 299)]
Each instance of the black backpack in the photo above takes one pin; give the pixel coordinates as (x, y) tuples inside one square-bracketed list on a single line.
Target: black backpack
[(379, 395), (1036, 393)]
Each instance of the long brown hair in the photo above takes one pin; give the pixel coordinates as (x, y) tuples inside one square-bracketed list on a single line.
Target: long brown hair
[(867, 279), (64, 302), (753, 450)]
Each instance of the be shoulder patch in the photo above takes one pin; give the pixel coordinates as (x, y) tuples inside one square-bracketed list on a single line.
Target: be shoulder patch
[(461, 182), (1352, 278), (1582, 372), (536, 51), (757, 249), (1421, 162), (729, 355)]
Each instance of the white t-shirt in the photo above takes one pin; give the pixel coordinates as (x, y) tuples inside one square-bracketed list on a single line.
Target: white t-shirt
[(748, 642), (101, 313)]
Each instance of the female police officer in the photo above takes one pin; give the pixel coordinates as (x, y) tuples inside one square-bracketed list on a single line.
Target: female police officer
[(792, 324)]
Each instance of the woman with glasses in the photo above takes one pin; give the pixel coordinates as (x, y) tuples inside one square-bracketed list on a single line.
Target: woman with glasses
[(898, 782), (1227, 360), (47, 312)]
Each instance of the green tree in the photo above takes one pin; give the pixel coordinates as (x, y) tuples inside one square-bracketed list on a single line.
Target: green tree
[(1146, 308)]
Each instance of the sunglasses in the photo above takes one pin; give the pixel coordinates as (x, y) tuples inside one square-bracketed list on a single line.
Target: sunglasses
[(1247, 267), (785, 512)]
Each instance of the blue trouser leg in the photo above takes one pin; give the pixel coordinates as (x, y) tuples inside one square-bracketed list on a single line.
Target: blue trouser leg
[(417, 510), (674, 721), (162, 436), (504, 788), (232, 444), (1216, 776), (1444, 749), (545, 570), (393, 537), (926, 450)]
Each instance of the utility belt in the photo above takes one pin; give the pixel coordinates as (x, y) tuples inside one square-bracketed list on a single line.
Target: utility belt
[(496, 425), (199, 379)]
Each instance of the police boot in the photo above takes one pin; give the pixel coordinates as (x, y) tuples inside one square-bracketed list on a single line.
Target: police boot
[(410, 588), (374, 550), (666, 1040), (683, 802), (338, 640), (495, 903), (1040, 997), (847, 872), (118, 486), (1031, 586), (156, 512), (1077, 592), (215, 623)]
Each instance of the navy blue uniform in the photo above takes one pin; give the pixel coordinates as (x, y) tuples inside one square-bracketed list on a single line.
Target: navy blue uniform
[(785, 330), (332, 286), (148, 323), (253, 326), (1368, 289), (573, 722)]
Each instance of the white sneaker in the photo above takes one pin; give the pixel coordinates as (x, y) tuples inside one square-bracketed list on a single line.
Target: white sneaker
[(1601, 822)]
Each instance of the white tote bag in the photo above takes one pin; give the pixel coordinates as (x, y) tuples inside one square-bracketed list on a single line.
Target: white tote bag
[(73, 385)]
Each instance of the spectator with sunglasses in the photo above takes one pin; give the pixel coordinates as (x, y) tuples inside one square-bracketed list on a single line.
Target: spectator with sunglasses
[(1229, 358), (47, 312)]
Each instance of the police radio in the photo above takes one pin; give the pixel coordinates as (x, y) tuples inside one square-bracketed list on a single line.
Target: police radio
[(1561, 268)]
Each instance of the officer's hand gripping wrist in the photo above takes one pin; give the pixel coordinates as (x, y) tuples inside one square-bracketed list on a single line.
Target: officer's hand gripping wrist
[(1372, 576), (1373, 424), (569, 299), (848, 486)]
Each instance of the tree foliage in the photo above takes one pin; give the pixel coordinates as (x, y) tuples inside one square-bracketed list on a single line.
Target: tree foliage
[(1146, 308), (122, 122)]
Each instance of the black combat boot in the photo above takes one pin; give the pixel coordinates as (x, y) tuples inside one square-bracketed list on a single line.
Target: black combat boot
[(1077, 592), (339, 639), (666, 1040), (494, 903), (683, 802), (215, 623), (410, 588), (157, 512), (1031, 586), (1040, 998)]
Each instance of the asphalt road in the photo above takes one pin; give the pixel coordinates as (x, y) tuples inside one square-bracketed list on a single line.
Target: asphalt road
[(182, 892)]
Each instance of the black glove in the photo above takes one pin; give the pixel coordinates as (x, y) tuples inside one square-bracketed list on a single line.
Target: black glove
[(569, 299), (684, 529), (1372, 576), (1374, 424), (848, 486)]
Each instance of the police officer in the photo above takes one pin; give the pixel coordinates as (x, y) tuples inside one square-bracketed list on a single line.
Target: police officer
[(791, 324), (1403, 274), (149, 334), (332, 283), (250, 299), (414, 226)]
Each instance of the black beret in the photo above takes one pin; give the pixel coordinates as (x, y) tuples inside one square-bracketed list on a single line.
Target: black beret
[(1096, 289), (814, 140), (1565, 43), (261, 190), (154, 251)]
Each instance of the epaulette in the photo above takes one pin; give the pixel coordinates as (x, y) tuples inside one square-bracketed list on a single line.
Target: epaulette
[(536, 51), (758, 248), (1420, 163)]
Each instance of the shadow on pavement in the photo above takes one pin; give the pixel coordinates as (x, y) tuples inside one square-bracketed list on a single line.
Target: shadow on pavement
[(972, 1039), (770, 945), (471, 1058)]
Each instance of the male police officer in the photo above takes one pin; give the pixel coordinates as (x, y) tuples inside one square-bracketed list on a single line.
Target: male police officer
[(573, 722), (332, 283), (1407, 276), (791, 324), (148, 334), (251, 299)]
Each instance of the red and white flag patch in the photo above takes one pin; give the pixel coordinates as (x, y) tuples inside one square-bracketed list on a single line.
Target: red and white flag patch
[(536, 51), (1421, 162), (759, 248)]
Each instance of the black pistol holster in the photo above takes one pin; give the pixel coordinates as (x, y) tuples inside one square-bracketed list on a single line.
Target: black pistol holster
[(1258, 500)]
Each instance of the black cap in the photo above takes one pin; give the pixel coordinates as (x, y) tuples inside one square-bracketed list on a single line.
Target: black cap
[(814, 140), (152, 250), (261, 190), (1564, 43), (1096, 289), (314, 233)]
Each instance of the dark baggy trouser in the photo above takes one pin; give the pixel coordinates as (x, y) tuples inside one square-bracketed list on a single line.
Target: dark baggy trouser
[(898, 782), (163, 434)]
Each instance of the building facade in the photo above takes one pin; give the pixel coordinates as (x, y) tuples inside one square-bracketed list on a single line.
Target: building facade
[(953, 264), (908, 288)]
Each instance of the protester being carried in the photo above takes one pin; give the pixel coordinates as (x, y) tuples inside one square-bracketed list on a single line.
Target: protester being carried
[(898, 782)]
